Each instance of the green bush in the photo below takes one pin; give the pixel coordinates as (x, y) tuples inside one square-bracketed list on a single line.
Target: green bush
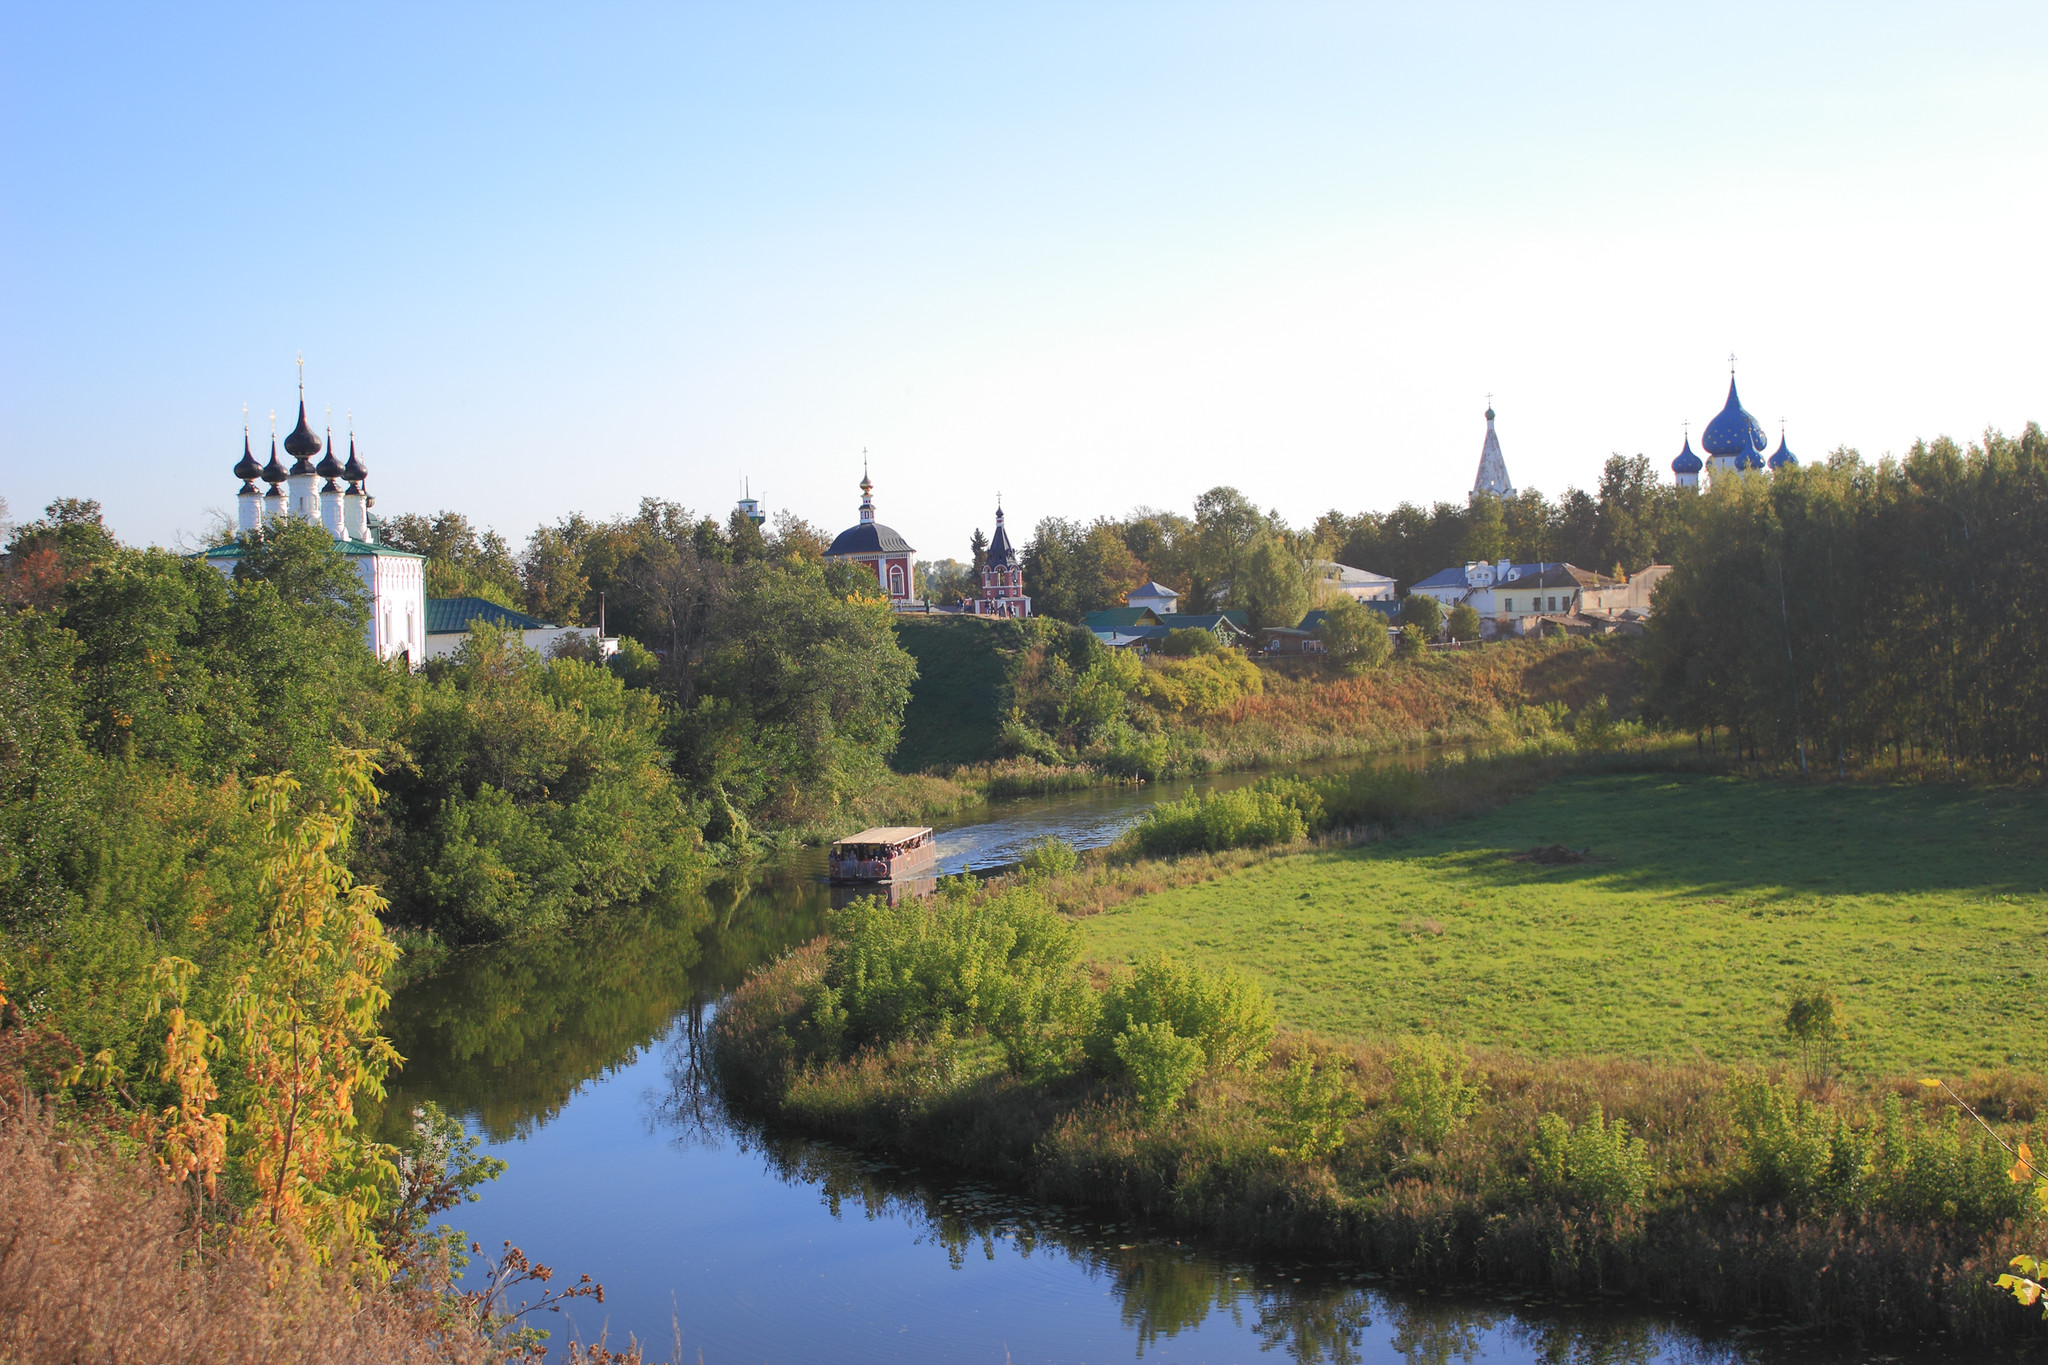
[(1228, 1016), (966, 961), (1371, 796), (1596, 1163), (1049, 857), (1278, 810), (1819, 1157), (1160, 1063), (1185, 640), (1430, 1099), (1413, 642), (1316, 1102), (1463, 622), (1422, 613)]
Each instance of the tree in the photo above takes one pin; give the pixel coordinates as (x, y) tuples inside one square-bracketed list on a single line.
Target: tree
[(1071, 570), (1463, 622), (744, 536), (1226, 524), (1424, 613), (552, 572), (1183, 641), (977, 553), (1272, 584), (1413, 641), (1354, 635), (460, 562), (1486, 535)]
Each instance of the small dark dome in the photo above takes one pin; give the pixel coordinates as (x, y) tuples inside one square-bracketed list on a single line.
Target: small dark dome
[(1489, 413), (329, 468), (274, 472), (354, 471), (1687, 462), (1733, 432), (246, 468), (1782, 457), (302, 444)]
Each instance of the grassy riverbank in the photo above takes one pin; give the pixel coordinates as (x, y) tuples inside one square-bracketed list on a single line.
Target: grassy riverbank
[(1558, 998), (1703, 902)]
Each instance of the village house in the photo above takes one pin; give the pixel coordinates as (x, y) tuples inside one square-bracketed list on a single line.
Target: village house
[(1360, 585)]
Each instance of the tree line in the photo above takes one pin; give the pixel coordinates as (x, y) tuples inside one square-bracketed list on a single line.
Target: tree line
[(1229, 554), (1850, 613)]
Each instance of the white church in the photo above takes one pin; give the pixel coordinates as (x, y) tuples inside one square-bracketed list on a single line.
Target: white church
[(395, 579)]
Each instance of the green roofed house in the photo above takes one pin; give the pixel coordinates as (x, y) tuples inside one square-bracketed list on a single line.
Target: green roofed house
[(449, 619), (1232, 627)]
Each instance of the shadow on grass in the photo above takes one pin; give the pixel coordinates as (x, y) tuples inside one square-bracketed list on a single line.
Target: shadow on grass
[(1722, 836)]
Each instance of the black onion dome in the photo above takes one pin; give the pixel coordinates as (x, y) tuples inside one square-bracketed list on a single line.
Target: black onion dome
[(1000, 553), (329, 468), (273, 473), (302, 444), (869, 538), (354, 471), (246, 468)]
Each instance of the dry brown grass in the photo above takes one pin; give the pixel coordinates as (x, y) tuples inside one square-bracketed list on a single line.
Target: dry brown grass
[(98, 1264)]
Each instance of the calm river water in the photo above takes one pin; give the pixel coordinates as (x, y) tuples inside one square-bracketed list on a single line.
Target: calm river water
[(575, 1056)]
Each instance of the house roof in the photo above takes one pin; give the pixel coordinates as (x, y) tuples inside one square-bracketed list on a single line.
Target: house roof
[(452, 615), (1120, 618), (1314, 619), (1181, 620), (1150, 588), (1333, 572), (1555, 576)]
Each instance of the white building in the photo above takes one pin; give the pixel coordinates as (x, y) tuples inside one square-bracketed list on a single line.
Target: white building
[(449, 618), (1360, 585), (1156, 596), (395, 580)]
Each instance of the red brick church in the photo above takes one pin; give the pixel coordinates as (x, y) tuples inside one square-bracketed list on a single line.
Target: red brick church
[(876, 548), (1002, 577)]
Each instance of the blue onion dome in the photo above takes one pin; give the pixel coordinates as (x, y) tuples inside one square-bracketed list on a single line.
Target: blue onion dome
[(354, 471), (274, 472), (1687, 462), (302, 444), (1782, 457), (1734, 433), (246, 468)]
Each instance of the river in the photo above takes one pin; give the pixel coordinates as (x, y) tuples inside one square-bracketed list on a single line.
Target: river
[(575, 1056)]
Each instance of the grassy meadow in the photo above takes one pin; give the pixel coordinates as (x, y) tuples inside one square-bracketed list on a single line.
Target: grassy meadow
[(1705, 902)]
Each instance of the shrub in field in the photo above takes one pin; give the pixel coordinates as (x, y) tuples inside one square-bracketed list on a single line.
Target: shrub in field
[(1049, 857), (1431, 1099), (1316, 1102), (962, 962), (1278, 810), (1201, 684), (1413, 641), (1160, 1063), (1227, 1016), (1463, 622), (1813, 1019), (1371, 796), (1595, 1163)]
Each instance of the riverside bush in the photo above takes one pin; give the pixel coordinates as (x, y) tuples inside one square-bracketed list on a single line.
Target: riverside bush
[(1823, 1158), (963, 962), (1226, 1015), (1160, 1063), (1278, 810), (1316, 1102), (1595, 1163), (1049, 857), (1431, 1099)]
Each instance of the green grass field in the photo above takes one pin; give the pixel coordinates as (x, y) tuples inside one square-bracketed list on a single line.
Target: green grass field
[(953, 715), (1707, 901)]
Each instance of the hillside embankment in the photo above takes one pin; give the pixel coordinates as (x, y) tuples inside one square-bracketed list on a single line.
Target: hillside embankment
[(1429, 1107)]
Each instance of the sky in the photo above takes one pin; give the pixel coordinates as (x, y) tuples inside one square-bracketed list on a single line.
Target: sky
[(1086, 256)]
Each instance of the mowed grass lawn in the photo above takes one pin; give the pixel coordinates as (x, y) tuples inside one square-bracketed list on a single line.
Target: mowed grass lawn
[(1707, 902)]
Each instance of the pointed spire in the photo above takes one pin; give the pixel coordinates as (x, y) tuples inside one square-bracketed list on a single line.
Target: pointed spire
[(246, 469)]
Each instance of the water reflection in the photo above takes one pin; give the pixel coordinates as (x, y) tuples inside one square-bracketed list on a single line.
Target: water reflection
[(1166, 1289)]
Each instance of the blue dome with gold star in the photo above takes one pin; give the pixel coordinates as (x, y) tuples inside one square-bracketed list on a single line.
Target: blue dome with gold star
[(1687, 462), (1782, 457), (1734, 434)]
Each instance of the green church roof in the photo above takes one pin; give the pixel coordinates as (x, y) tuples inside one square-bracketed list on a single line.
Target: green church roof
[(452, 615)]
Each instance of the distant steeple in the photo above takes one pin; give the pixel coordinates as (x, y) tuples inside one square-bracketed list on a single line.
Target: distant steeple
[(1493, 469)]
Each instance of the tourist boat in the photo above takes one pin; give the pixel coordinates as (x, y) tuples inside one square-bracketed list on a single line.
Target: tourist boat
[(890, 853)]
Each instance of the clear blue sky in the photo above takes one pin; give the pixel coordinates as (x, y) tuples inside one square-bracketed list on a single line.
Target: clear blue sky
[(556, 258)]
